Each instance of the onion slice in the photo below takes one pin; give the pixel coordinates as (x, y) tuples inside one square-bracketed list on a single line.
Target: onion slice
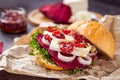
[(46, 42), (92, 54), (86, 61), (65, 58)]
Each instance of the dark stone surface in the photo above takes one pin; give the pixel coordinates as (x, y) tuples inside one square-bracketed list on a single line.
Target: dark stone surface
[(101, 6), (105, 6)]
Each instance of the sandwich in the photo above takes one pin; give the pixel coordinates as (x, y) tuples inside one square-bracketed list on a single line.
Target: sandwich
[(75, 48)]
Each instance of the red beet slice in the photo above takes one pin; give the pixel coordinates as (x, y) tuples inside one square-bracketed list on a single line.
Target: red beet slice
[(1, 47), (58, 12), (39, 39), (69, 65), (54, 56)]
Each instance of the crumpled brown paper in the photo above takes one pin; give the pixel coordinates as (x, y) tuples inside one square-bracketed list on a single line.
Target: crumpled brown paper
[(16, 60)]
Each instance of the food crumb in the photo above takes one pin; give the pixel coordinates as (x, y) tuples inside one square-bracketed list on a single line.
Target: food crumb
[(1, 47)]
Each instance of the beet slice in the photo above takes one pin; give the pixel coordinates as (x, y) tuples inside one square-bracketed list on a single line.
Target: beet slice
[(67, 65), (1, 47), (39, 40), (54, 56), (58, 12)]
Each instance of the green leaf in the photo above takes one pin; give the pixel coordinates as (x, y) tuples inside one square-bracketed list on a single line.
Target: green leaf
[(37, 49), (35, 34), (33, 43)]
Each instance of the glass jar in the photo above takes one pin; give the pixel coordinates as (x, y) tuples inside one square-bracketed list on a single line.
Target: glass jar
[(13, 20)]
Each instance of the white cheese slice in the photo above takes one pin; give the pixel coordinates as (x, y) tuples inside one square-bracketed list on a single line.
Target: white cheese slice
[(81, 51), (54, 45), (77, 5)]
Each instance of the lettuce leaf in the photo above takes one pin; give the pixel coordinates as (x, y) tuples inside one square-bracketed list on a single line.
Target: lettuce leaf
[(37, 49)]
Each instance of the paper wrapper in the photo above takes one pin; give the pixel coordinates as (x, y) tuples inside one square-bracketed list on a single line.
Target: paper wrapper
[(17, 60)]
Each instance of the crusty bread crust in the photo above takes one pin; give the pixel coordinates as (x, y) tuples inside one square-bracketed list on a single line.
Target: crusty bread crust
[(97, 34), (48, 65)]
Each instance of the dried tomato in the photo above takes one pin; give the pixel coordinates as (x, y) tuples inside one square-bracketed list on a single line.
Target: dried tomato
[(59, 35), (51, 29), (65, 31), (66, 47), (77, 36), (81, 45)]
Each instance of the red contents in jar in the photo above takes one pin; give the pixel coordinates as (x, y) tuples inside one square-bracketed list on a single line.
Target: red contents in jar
[(59, 35), (66, 47), (12, 21)]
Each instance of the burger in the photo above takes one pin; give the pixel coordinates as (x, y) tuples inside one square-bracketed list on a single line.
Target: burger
[(75, 48)]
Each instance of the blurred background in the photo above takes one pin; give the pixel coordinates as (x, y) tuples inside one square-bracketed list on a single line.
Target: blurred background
[(103, 7)]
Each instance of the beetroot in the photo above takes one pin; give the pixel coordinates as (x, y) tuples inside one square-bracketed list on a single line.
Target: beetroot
[(67, 65), (54, 56), (58, 12), (1, 47), (39, 39)]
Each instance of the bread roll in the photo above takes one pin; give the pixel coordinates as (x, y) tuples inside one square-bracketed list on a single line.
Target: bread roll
[(97, 34)]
